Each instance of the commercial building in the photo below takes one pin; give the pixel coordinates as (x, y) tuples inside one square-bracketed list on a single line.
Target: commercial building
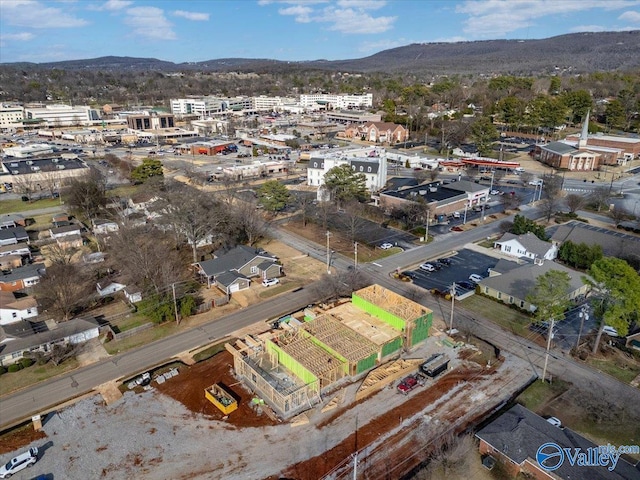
[(42, 174), (331, 101), (150, 121), (11, 116), (354, 117), (370, 161), (202, 106), (62, 115)]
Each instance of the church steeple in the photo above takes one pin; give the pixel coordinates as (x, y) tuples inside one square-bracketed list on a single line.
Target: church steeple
[(582, 143)]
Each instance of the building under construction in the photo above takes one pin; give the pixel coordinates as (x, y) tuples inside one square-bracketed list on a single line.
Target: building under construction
[(292, 366)]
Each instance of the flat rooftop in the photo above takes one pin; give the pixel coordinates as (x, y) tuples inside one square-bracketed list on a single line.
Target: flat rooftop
[(364, 324)]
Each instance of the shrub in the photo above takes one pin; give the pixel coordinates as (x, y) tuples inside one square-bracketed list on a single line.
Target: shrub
[(26, 362), (2, 370), (14, 368)]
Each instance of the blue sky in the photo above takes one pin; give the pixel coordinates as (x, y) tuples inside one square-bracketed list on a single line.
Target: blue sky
[(190, 31)]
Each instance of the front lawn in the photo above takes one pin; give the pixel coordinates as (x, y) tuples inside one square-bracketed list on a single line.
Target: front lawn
[(18, 206), (505, 316)]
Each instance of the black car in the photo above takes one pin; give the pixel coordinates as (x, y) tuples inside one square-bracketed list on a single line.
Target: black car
[(444, 262), (466, 285)]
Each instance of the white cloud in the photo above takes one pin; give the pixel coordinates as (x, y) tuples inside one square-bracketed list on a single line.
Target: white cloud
[(495, 18), (362, 4), (113, 5), (589, 28), (300, 12), (33, 14), (20, 37), (357, 21), (149, 22), (195, 16), (630, 16), (345, 16)]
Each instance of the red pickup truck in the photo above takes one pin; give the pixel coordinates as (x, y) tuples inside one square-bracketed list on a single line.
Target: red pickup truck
[(409, 383)]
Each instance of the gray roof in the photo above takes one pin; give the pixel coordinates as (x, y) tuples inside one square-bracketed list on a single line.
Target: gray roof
[(21, 273), (8, 218), (228, 278), (15, 246), (466, 186), (317, 163), (17, 233), (54, 164), (519, 433), (559, 148), (519, 282), (613, 244), (529, 241), (365, 164), (397, 183), (65, 229), (234, 259), (504, 266), (63, 330)]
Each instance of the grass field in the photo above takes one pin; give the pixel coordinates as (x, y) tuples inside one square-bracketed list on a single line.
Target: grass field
[(625, 372), (18, 206), (508, 318), (10, 382), (539, 393)]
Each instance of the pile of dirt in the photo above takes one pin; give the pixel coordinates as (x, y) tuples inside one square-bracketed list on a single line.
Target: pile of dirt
[(188, 388), (19, 438)]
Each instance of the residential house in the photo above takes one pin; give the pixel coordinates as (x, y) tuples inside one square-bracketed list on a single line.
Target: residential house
[(613, 244), (8, 220), (15, 308), (69, 241), (633, 341), (22, 277), (513, 286), (9, 262), (18, 249), (515, 437), (60, 220), (108, 287), (65, 231), (231, 271), (133, 294), (526, 246), (24, 338), (13, 235), (104, 227)]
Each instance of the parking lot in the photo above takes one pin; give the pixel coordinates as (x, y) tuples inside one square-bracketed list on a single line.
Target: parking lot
[(463, 264)]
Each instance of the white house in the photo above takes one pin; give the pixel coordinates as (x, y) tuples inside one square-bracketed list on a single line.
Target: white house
[(133, 294), (65, 231), (21, 249), (103, 227), (14, 309), (526, 246), (108, 287)]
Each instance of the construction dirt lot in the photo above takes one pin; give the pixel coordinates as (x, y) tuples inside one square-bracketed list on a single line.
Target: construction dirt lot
[(171, 430)]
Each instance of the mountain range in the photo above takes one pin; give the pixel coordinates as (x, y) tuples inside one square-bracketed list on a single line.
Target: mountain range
[(571, 53)]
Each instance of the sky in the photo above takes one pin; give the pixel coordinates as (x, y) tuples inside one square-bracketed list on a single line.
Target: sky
[(290, 30)]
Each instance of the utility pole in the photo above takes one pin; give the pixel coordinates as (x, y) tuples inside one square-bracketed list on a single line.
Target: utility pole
[(584, 315), (426, 233), (452, 292), (466, 206), (546, 356), (355, 255), (175, 303), (328, 252)]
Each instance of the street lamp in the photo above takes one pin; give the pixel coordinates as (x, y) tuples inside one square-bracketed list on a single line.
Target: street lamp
[(328, 252), (466, 206)]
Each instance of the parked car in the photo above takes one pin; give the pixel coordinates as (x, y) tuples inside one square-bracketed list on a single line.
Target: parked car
[(456, 214), (427, 267), (22, 461), (475, 278), (555, 422), (609, 330), (495, 192), (386, 246), (444, 261), (409, 383), (267, 282), (466, 285), (144, 379)]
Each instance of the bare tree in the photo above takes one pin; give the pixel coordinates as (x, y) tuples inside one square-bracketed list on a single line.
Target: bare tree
[(420, 175), (510, 201), (433, 174), (619, 215), (25, 185), (353, 219), (552, 185), (325, 209), (574, 202), (52, 182), (526, 177), (87, 195), (193, 215), (599, 197), (64, 289), (59, 255), (549, 206), (249, 222), (304, 204), (147, 258)]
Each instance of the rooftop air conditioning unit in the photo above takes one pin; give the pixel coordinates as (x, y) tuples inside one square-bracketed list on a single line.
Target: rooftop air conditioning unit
[(15, 172), (13, 164), (29, 162), (422, 192), (35, 169), (61, 167), (433, 189), (55, 160)]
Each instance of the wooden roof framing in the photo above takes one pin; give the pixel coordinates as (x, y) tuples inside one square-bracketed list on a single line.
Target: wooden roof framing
[(402, 307), (319, 362), (345, 341)]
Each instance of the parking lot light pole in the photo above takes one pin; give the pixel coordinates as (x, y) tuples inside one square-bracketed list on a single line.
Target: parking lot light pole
[(328, 252), (546, 356), (584, 315), (452, 292), (466, 206), (355, 255)]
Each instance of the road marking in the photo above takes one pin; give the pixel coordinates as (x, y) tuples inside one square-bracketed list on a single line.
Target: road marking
[(376, 264)]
